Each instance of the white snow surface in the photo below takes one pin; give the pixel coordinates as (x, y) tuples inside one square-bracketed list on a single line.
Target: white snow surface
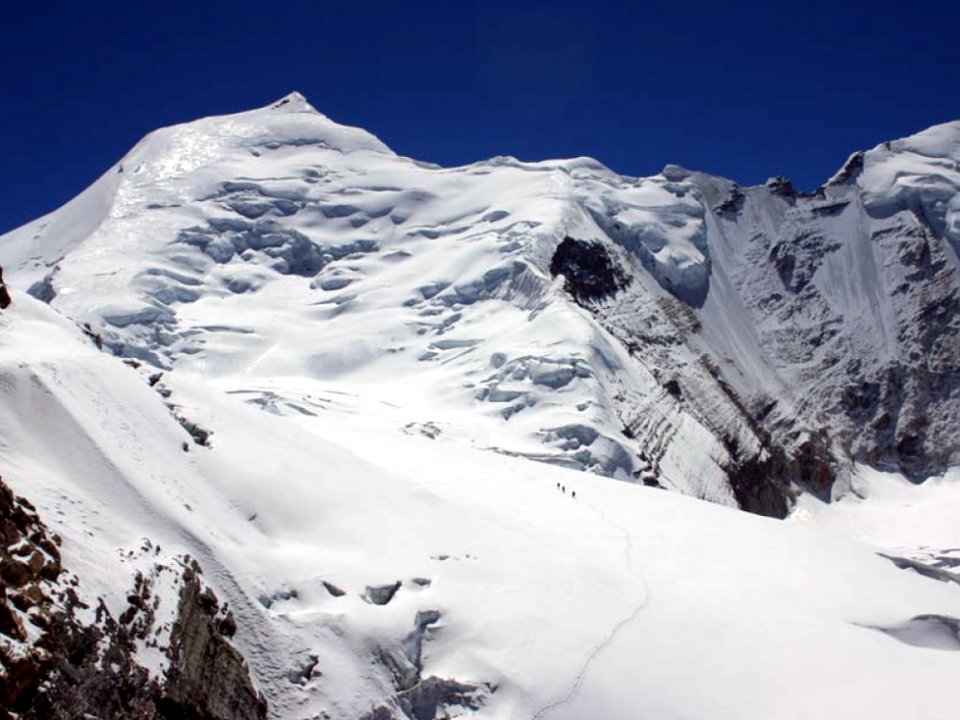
[(626, 601), (379, 349)]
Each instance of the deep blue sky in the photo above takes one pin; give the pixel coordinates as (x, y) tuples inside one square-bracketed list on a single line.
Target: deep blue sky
[(747, 90)]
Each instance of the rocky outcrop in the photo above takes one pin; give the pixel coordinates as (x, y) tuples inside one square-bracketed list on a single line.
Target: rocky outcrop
[(4, 294), (63, 658), (53, 664), (418, 697), (208, 678), (381, 594), (589, 270)]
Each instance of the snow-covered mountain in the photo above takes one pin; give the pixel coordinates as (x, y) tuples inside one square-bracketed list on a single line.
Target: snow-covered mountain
[(734, 344), (390, 357)]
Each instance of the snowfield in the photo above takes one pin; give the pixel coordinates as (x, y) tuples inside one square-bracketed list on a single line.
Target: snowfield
[(625, 601), (417, 435)]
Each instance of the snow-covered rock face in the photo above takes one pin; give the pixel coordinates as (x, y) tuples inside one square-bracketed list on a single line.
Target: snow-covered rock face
[(853, 295), (736, 344)]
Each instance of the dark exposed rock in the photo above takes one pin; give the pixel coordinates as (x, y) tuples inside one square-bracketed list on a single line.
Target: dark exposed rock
[(812, 465), (73, 668), (413, 645), (43, 290), (208, 678), (4, 294), (284, 594), (588, 268), (227, 626), (381, 712), (403, 672), (333, 589), (782, 186), (201, 436), (89, 670), (95, 337), (10, 623), (14, 573), (673, 388), (424, 699), (420, 698), (305, 673), (381, 594), (850, 170), (764, 483), (82, 669), (733, 203), (757, 484)]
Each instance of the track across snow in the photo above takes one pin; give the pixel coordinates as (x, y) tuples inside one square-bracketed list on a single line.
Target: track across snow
[(611, 637)]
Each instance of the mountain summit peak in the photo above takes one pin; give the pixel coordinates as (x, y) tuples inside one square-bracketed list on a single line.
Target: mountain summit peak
[(294, 102)]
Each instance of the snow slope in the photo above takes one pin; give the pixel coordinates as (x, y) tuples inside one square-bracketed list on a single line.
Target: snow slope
[(626, 601)]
